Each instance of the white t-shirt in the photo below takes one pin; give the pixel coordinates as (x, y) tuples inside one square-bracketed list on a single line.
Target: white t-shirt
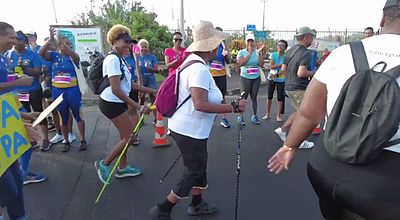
[(187, 120), (112, 67), (339, 67)]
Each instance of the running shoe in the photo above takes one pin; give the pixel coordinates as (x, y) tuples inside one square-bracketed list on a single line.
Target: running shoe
[(33, 178), (71, 138), (281, 134), (202, 209), (157, 214), (225, 123), (266, 117), (241, 121), (103, 172), (306, 145), (34, 144), (83, 145), (127, 172), (255, 120), (57, 138), (45, 145), (66, 147)]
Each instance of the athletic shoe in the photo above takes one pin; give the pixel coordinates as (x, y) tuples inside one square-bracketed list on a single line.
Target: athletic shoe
[(127, 172), (33, 178), (306, 145), (279, 120), (45, 145), (316, 131), (202, 209), (34, 144), (265, 117), (241, 121), (225, 123), (51, 127), (103, 172), (136, 141), (83, 145), (157, 214), (57, 138), (255, 120), (155, 122), (71, 138), (169, 132), (66, 147), (281, 134)]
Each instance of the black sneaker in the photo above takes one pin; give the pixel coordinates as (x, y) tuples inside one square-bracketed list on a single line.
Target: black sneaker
[(83, 145), (202, 209), (45, 146), (34, 144), (51, 127), (157, 214), (66, 147)]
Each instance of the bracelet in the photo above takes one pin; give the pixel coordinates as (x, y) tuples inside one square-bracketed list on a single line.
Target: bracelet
[(287, 148), (235, 105)]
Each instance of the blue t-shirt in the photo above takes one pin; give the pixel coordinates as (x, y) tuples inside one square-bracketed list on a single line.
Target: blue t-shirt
[(275, 56), (29, 59), (219, 58), (251, 69), (48, 65), (5, 71), (314, 58), (63, 73), (130, 60), (151, 60)]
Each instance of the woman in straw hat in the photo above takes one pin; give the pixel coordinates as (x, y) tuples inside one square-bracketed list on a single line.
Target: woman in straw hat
[(191, 124)]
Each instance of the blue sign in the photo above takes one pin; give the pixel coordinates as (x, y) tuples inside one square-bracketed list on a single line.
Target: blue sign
[(251, 27), (260, 35)]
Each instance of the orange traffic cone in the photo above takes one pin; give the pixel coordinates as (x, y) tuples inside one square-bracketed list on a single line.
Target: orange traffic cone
[(160, 139)]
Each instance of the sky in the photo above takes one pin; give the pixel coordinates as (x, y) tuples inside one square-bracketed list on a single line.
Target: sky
[(37, 15)]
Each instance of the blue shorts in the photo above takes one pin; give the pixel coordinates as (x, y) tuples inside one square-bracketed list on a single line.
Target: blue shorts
[(72, 100), (150, 82)]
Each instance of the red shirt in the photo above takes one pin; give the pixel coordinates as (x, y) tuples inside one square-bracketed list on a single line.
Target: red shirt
[(170, 52)]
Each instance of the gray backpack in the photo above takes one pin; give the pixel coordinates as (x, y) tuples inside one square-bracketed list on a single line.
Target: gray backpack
[(366, 114)]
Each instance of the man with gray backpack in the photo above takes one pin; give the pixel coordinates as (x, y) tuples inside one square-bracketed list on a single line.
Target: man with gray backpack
[(356, 173)]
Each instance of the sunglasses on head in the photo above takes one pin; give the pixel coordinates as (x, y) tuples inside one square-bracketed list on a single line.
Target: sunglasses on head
[(176, 39)]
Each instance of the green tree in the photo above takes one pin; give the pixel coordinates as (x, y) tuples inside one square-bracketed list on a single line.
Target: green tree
[(134, 16)]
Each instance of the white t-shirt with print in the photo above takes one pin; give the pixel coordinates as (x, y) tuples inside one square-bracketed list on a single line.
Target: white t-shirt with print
[(112, 67), (339, 67), (187, 120)]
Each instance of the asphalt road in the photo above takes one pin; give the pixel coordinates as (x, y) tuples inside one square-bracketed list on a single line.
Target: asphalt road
[(72, 185)]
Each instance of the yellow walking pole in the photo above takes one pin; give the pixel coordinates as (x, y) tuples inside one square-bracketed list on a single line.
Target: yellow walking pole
[(135, 132)]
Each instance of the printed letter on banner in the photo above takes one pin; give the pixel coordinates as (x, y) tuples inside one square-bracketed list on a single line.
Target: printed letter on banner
[(14, 140)]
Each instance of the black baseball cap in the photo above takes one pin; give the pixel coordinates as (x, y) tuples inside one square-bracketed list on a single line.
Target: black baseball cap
[(126, 36), (392, 3)]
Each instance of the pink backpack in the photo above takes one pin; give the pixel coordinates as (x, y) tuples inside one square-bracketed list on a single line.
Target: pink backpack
[(167, 96)]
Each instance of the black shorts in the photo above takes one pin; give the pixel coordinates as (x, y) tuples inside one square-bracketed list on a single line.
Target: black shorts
[(280, 89), (134, 95), (221, 83), (35, 100), (112, 109)]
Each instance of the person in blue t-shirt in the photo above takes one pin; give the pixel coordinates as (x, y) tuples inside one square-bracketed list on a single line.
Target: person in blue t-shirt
[(250, 60), (32, 38), (27, 62), (148, 66), (64, 81), (276, 80)]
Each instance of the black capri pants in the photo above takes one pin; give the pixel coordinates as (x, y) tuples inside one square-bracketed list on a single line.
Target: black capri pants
[(370, 191), (194, 155), (280, 90)]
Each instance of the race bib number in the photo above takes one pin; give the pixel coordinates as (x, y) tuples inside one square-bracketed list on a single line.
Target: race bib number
[(23, 97), (11, 77), (62, 77), (252, 70), (216, 66)]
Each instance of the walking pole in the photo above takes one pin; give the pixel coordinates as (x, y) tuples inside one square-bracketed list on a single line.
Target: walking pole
[(240, 123), (143, 117), (170, 168)]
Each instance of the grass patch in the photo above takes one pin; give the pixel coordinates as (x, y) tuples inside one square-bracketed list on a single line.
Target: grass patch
[(159, 77)]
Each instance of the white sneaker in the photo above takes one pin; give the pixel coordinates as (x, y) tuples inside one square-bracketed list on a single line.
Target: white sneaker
[(71, 137), (57, 138), (281, 134), (306, 145)]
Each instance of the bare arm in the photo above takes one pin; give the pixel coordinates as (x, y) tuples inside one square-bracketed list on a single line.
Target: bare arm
[(303, 72), (141, 88), (260, 60), (154, 69), (274, 66), (74, 56), (116, 89), (44, 51), (242, 61), (201, 103), (22, 81), (169, 64), (36, 71), (284, 70)]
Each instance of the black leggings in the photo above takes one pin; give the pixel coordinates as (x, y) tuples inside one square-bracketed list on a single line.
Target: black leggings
[(370, 191), (280, 90), (250, 86)]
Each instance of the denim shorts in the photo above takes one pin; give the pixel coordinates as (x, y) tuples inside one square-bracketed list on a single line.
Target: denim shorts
[(150, 82)]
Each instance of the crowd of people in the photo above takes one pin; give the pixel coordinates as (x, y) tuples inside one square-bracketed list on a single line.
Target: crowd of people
[(37, 75)]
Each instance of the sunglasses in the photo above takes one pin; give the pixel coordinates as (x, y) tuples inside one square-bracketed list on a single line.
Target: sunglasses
[(176, 39), (281, 45)]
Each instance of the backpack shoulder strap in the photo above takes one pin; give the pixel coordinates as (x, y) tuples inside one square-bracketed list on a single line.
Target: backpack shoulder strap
[(181, 68), (121, 60), (394, 72), (359, 57)]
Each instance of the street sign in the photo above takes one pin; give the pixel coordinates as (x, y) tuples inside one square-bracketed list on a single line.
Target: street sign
[(251, 27), (260, 35)]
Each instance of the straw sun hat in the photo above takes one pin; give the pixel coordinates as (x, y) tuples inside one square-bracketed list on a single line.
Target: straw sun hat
[(205, 37)]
